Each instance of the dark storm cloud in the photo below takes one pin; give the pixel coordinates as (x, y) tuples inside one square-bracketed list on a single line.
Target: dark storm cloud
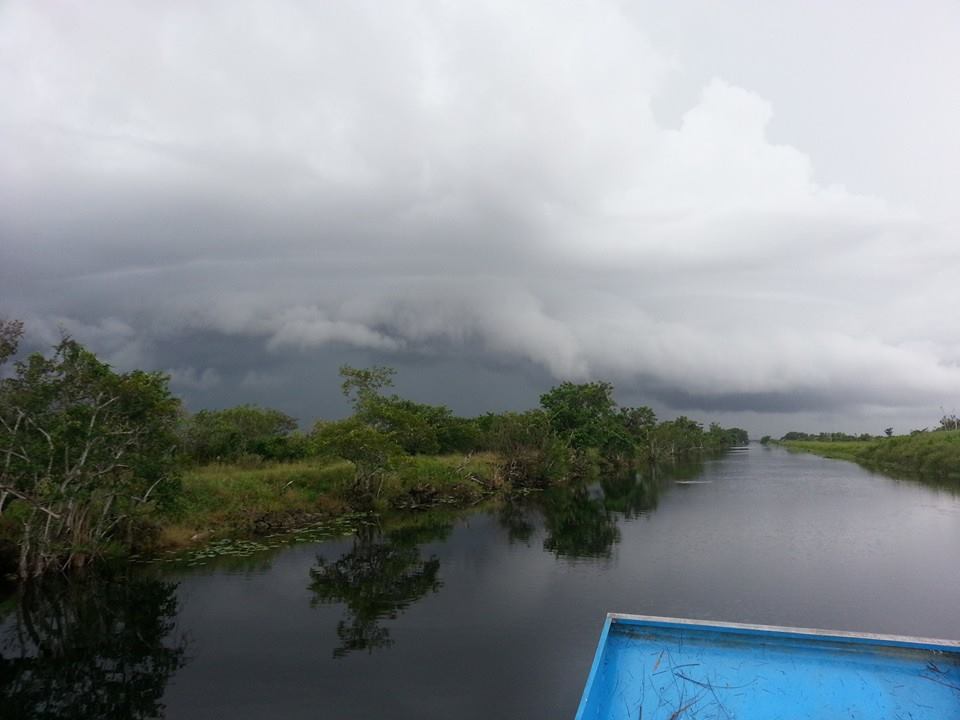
[(247, 193), (771, 402)]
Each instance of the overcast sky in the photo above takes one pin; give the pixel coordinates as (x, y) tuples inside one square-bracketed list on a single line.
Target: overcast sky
[(743, 211)]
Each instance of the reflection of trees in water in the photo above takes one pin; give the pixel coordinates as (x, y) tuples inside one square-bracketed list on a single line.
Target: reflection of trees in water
[(580, 519), (377, 579), (516, 518), (636, 492), (577, 523), (89, 648), (949, 485), (689, 469)]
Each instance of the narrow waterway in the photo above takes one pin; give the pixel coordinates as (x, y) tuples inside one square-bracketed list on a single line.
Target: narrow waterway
[(496, 614)]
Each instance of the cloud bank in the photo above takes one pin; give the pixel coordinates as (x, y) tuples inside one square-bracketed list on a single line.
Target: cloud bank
[(446, 180)]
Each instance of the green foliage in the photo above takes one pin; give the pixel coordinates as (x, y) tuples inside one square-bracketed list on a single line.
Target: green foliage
[(409, 424), (718, 438), (824, 437), (232, 496), (10, 333), (363, 385), (928, 455), (428, 481), (88, 450), (577, 427), (837, 449), (404, 454), (418, 428), (532, 454), (638, 424), (434, 472), (227, 435), (372, 452), (765, 440), (582, 415), (511, 432), (676, 438)]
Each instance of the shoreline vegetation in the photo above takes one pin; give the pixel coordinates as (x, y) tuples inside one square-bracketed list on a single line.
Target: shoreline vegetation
[(96, 464), (256, 498), (924, 454)]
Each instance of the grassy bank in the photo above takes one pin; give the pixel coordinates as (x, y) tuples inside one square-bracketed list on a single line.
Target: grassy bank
[(836, 450), (220, 500), (933, 455)]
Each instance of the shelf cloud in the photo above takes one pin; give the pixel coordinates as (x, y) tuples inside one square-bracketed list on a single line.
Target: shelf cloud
[(472, 184)]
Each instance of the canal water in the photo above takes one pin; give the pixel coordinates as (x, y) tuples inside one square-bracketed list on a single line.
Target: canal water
[(493, 614)]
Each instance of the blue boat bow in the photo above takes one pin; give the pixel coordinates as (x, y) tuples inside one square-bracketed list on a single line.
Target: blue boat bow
[(655, 668)]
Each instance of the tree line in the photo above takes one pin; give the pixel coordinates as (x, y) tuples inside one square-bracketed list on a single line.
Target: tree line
[(87, 453), (823, 437), (575, 425), (948, 422)]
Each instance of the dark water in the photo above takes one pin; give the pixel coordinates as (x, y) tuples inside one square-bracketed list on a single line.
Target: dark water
[(495, 614)]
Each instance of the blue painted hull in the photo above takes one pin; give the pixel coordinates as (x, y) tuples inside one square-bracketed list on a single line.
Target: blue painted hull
[(669, 669)]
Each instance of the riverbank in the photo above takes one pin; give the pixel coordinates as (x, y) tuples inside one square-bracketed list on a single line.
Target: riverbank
[(221, 501), (227, 500), (934, 455)]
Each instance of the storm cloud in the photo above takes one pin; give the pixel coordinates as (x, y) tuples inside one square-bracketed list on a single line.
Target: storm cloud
[(245, 194)]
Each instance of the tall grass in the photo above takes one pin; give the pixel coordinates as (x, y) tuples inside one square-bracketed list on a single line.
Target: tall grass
[(225, 498), (443, 472), (841, 450), (232, 497), (933, 454), (929, 454)]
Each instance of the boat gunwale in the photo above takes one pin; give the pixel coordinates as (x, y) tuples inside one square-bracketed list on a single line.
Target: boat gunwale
[(908, 641)]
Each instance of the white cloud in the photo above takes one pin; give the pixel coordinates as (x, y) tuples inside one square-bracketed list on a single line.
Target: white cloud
[(418, 177), (310, 327)]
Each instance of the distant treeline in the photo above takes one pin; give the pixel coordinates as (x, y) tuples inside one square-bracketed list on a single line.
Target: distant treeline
[(947, 423), (575, 423), (825, 437)]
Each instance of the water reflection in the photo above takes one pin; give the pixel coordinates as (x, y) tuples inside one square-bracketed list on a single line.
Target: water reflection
[(578, 523), (636, 492), (947, 485), (516, 517), (580, 520), (89, 647), (377, 579)]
